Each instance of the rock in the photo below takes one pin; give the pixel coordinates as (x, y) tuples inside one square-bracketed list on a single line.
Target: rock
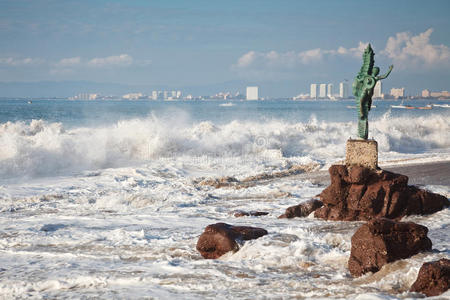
[(359, 193), (241, 213), (382, 241), (433, 278), (302, 209), (220, 238)]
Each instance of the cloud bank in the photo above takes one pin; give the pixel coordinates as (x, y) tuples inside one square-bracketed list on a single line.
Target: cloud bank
[(404, 49)]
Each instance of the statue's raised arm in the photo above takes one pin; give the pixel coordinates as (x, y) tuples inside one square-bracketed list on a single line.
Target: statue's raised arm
[(385, 75)]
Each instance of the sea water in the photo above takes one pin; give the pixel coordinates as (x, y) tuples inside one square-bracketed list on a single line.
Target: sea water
[(101, 198)]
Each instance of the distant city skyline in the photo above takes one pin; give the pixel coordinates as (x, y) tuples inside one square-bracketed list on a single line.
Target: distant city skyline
[(51, 47)]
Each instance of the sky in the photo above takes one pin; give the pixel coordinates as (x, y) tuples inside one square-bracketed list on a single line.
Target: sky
[(282, 46)]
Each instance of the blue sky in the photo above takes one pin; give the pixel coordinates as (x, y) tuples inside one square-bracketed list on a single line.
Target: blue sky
[(199, 43)]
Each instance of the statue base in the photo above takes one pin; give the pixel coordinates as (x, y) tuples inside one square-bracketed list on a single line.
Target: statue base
[(362, 153)]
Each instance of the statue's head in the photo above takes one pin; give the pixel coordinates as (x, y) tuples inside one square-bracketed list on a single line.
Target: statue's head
[(375, 71)]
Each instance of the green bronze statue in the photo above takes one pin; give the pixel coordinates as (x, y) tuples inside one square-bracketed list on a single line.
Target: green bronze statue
[(363, 87)]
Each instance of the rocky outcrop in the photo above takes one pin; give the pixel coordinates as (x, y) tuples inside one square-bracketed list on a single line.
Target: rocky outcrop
[(433, 278), (382, 241), (241, 213), (302, 209), (220, 238), (358, 193)]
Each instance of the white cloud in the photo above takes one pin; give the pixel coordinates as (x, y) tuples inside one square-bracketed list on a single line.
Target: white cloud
[(69, 62), (118, 60), (292, 59), (406, 49), (11, 61)]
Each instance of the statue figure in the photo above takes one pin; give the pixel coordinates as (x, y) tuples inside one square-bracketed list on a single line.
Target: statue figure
[(363, 87)]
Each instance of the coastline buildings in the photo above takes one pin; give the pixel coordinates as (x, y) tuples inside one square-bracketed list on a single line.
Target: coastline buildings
[(330, 91), (85, 96), (313, 91), (252, 93), (398, 92), (343, 90), (429, 94), (378, 90), (323, 90)]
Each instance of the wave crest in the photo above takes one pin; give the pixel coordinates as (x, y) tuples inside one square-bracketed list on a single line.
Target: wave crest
[(40, 148)]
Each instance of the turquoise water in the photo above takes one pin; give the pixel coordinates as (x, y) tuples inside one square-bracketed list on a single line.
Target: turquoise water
[(94, 113)]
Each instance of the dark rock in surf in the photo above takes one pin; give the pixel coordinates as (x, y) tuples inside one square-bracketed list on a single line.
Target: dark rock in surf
[(302, 209), (359, 193), (241, 213), (433, 278), (382, 241), (220, 238)]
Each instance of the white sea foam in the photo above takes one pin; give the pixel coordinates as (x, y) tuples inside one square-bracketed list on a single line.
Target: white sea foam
[(40, 148), (126, 223)]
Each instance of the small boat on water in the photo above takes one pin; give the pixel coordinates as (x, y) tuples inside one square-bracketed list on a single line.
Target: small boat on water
[(441, 105), (29, 102), (412, 107), (226, 104)]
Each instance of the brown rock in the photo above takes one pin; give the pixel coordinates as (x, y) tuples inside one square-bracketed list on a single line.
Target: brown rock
[(382, 241), (220, 238), (433, 278), (359, 193), (302, 209), (241, 213)]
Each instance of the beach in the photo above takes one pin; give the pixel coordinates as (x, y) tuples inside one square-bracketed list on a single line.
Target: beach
[(114, 209)]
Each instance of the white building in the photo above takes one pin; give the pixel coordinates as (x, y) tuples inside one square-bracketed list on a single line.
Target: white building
[(330, 91), (343, 90), (132, 96), (398, 93), (378, 90), (313, 92), (323, 90), (252, 93), (426, 93)]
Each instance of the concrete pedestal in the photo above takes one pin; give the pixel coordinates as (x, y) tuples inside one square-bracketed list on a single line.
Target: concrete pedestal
[(362, 153)]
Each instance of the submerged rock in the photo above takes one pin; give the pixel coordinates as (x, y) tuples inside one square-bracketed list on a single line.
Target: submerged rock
[(433, 278), (302, 209), (358, 193), (220, 238), (241, 213), (383, 241)]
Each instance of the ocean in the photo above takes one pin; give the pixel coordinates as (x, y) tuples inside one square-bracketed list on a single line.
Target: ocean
[(100, 199)]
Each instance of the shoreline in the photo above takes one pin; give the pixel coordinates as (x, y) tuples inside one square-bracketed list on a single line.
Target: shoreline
[(428, 173)]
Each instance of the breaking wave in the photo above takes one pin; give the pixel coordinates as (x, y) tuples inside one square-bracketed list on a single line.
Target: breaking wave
[(40, 148)]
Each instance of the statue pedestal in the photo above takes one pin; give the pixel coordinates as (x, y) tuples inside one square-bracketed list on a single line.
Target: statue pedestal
[(362, 153)]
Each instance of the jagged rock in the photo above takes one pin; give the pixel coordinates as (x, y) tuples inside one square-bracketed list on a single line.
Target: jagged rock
[(241, 213), (220, 238), (433, 278), (302, 209), (358, 193), (382, 241)]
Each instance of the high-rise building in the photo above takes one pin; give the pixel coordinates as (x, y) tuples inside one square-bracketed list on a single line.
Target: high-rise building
[(252, 93), (343, 90), (330, 90), (313, 93), (398, 93), (323, 90), (378, 90), (154, 95)]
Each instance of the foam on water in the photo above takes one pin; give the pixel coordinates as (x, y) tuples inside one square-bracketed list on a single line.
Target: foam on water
[(121, 212), (40, 148)]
